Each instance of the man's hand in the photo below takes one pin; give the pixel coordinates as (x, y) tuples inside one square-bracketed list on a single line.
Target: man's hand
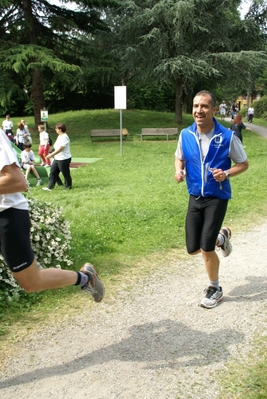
[(180, 175)]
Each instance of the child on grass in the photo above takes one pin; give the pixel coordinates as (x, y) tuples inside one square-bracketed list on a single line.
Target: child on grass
[(27, 159)]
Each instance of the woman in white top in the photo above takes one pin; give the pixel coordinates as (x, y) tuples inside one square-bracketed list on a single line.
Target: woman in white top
[(22, 136), (62, 159)]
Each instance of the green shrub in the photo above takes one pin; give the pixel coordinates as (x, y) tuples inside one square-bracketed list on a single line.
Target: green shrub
[(261, 107)]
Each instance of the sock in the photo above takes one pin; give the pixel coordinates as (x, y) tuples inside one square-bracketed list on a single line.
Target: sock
[(82, 279), (220, 240), (214, 284)]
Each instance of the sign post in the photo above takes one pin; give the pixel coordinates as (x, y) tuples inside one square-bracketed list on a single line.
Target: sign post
[(44, 117), (120, 98)]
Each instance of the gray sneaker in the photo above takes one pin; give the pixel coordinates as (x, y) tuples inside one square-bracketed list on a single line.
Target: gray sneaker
[(226, 248), (39, 183), (212, 297), (94, 285)]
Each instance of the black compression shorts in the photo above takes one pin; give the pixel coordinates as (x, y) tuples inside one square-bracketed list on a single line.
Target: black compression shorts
[(203, 222), (15, 245)]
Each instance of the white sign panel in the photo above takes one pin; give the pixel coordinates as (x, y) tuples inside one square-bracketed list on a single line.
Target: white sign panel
[(44, 115), (120, 99)]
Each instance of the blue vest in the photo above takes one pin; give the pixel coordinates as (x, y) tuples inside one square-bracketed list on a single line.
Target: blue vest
[(199, 178)]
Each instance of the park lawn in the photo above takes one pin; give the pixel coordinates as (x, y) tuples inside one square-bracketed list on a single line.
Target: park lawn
[(128, 206), (126, 212)]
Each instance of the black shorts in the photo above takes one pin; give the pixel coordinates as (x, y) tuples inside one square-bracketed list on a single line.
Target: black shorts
[(203, 222), (15, 245)]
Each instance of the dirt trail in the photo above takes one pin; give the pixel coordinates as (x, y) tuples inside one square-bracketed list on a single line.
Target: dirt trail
[(154, 342)]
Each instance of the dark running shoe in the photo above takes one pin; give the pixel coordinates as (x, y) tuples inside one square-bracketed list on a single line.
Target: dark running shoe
[(212, 297), (94, 286)]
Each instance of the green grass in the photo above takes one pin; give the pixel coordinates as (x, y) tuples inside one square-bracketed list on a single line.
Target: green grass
[(246, 379), (125, 211), (79, 123)]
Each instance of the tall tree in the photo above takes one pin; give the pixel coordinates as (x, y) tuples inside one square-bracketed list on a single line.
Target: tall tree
[(38, 39), (182, 42), (258, 12)]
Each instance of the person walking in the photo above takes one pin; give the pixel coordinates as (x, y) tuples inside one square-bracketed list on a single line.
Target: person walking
[(26, 128), (203, 158), (15, 228), (222, 109), (44, 146), (27, 160), (233, 110), (62, 159), (22, 136), (7, 126), (250, 114), (237, 126)]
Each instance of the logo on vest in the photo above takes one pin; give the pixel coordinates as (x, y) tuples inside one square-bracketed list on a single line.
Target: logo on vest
[(218, 141)]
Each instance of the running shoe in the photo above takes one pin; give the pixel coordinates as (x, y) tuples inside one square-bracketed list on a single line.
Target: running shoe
[(39, 183), (212, 297), (226, 247), (94, 286)]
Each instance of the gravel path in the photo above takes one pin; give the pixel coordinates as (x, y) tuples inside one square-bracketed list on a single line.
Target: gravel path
[(153, 342)]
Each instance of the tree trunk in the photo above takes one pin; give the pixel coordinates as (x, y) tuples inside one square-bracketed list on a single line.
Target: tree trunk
[(37, 91), (178, 102), (188, 100), (37, 95)]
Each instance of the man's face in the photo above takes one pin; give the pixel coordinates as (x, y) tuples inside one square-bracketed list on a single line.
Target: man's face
[(203, 112)]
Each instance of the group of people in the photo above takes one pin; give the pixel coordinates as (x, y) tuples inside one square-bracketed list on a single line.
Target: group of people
[(23, 134), (233, 111), (207, 157), (237, 124), (61, 155)]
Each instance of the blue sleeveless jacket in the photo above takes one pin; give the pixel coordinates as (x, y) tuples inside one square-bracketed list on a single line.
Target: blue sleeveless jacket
[(199, 179)]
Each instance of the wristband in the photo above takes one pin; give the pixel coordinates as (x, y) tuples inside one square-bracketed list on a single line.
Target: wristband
[(227, 174)]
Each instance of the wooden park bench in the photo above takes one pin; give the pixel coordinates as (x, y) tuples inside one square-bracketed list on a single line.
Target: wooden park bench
[(108, 133), (167, 131)]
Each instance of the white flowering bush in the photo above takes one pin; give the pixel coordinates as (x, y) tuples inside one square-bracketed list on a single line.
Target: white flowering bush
[(50, 238)]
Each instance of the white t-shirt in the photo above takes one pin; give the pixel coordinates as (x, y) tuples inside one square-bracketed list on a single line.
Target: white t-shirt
[(7, 124), (62, 141), (236, 154), (222, 108), (43, 137), (27, 156), (20, 136), (8, 156)]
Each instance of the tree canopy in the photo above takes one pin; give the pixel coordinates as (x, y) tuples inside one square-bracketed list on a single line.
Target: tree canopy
[(54, 52), (41, 41), (182, 43)]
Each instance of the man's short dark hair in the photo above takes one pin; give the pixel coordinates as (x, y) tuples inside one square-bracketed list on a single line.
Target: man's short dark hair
[(206, 92)]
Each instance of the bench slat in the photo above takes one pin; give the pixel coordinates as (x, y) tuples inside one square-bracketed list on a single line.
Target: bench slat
[(105, 132), (108, 133), (168, 131)]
